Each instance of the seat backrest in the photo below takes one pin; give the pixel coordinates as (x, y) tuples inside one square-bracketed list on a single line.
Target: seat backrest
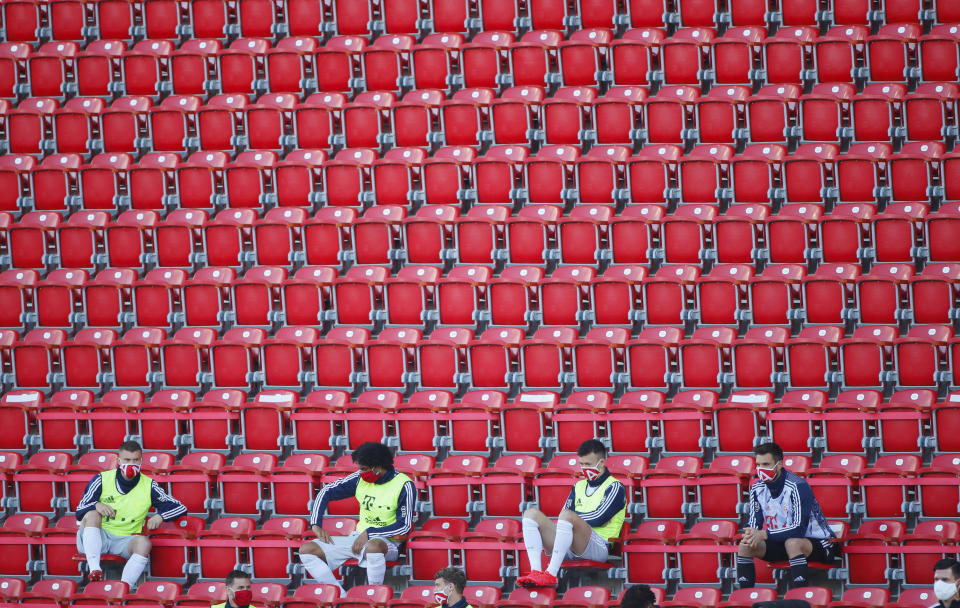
[(12, 588), (872, 596), (27, 523), (377, 594), (236, 526), (159, 591), (587, 595), (500, 527), (750, 596), (212, 591), (448, 526), (536, 597), (702, 596), (55, 587), (481, 595), (418, 593), (323, 594)]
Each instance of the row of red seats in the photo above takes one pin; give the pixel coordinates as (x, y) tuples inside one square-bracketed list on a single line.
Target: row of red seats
[(674, 488), (622, 295), (857, 420), (160, 19), (656, 553), (803, 420), (573, 296), (272, 595), (217, 19), (591, 235), (895, 487), (590, 57), (873, 557), (711, 175), (575, 116), (554, 358), (64, 592)]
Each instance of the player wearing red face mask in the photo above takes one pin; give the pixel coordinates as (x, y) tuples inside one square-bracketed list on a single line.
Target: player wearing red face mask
[(386, 500), (785, 522), (591, 517), (239, 594), (113, 509), (448, 586)]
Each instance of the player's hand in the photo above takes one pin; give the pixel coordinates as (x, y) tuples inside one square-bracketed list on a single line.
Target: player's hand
[(105, 510), (359, 542), (750, 537), (154, 522), (322, 535)]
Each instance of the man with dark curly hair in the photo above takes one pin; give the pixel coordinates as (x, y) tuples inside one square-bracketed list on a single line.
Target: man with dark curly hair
[(386, 499), (638, 596)]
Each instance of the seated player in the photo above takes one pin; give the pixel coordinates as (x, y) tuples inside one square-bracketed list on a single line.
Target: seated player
[(112, 511), (386, 499), (592, 516), (785, 522)]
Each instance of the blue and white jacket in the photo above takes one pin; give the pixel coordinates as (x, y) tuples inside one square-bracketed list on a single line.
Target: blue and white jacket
[(786, 508)]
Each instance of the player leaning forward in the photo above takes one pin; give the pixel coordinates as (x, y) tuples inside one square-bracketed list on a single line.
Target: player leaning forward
[(592, 516), (112, 510), (386, 499)]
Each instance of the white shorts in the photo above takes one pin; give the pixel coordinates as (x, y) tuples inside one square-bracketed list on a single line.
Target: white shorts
[(341, 549), (598, 549), (112, 544)]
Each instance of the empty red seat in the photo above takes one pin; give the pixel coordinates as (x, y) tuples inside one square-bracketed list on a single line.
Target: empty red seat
[(938, 57), (788, 52), (720, 113), (686, 55), (634, 57), (771, 112), (738, 50)]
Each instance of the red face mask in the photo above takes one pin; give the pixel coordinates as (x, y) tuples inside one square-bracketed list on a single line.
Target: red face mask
[(242, 597), (766, 474), (591, 472), (129, 470), (440, 597), (369, 476)]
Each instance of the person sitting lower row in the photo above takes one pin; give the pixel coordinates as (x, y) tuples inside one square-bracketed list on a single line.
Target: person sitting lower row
[(785, 522), (386, 499), (113, 509), (591, 517)]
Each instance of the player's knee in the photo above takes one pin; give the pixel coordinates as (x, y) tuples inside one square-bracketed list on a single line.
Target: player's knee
[(141, 545), (91, 518), (313, 549), (744, 550), (568, 515), (375, 545), (533, 513), (796, 546)]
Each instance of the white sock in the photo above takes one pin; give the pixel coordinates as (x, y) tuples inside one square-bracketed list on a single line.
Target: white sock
[(92, 546), (561, 544), (376, 568), (133, 569), (533, 542), (319, 570)]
